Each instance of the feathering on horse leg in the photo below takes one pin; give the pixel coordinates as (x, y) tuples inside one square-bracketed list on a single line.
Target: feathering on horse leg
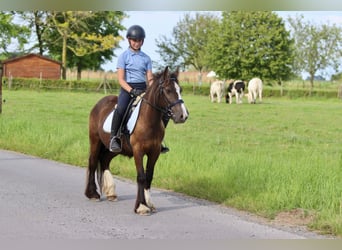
[(152, 159), (108, 186), (143, 210), (149, 200), (141, 207), (106, 182)]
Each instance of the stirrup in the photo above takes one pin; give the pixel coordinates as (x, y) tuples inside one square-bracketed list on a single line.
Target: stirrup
[(115, 145)]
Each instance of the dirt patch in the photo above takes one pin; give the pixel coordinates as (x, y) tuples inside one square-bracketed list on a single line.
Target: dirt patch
[(295, 217)]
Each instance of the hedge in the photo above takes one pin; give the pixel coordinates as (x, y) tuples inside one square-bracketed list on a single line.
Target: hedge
[(69, 85), (83, 85)]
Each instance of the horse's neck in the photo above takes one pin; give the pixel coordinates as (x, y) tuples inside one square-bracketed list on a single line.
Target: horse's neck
[(150, 111)]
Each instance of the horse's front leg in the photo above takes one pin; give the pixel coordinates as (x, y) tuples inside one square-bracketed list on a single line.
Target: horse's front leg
[(144, 205), (151, 161), (140, 207)]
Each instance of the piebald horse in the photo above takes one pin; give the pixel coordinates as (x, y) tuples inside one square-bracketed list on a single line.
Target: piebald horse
[(162, 97)]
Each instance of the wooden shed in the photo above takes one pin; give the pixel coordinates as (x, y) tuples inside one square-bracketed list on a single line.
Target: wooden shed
[(32, 66)]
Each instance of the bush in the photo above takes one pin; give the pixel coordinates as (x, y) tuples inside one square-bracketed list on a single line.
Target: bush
[(188, 88)]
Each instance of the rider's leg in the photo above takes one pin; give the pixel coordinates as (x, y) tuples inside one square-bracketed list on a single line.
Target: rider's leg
[(115, 144), (123, 101)]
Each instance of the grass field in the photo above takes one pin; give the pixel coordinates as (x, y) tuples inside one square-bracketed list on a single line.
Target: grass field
[(272, 158)]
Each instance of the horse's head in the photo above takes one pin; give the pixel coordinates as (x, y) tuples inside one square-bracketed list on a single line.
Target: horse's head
[(170, 95)]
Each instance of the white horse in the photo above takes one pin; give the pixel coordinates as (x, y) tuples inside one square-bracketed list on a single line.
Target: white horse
[(216, 89), (254, 90)]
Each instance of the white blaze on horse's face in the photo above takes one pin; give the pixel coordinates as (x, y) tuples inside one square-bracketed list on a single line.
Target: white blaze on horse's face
[(185, 113)]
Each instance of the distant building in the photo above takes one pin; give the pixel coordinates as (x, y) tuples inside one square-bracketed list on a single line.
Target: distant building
[(316, 78), (32, 66)]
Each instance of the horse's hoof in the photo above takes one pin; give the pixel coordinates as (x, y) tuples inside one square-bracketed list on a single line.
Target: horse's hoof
[(143, 210), (153, 209), (112, 198), (94, 199), (92, 195)]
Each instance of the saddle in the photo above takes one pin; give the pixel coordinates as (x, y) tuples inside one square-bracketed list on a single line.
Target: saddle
[(129, 119)]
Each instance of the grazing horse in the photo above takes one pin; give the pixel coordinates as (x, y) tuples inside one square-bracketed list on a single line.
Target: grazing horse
[(236, 88), (216, 88), (254, 90), (163, 96)]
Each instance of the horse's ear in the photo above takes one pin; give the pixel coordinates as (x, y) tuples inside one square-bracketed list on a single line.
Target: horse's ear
[(166, 72), (177, 71)]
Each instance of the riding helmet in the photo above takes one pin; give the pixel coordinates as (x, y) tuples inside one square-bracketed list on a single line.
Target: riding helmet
[(135, 32)]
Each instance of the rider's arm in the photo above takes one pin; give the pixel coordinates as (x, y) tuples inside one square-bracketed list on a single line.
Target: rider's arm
[(122, 81), (149, 77)]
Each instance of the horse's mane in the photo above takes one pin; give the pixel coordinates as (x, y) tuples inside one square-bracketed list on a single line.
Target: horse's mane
[(156, 79)]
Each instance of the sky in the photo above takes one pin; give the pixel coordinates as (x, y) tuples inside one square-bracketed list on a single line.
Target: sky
[(155, 24), (159, 23)]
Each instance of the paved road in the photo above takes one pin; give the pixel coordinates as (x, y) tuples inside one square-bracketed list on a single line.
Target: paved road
[(42, 199)]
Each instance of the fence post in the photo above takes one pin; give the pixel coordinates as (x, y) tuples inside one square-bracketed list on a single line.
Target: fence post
[(339, 92), (1, 87)]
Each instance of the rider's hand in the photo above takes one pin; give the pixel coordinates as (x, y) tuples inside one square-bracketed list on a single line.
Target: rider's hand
[(136, 92)]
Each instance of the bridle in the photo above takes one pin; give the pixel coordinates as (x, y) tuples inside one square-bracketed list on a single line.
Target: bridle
[(168, 109)]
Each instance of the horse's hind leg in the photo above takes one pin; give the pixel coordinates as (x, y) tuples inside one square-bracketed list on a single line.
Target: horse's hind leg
[(107, 182), (260, 95), (90, 190)]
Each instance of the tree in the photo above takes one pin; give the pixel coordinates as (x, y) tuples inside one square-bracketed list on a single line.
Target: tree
[(317, 46), (72, 31), (37, 23), (48, 39), (189, 37), (336, 77), (104, 23), (249, 44), (11, 34)]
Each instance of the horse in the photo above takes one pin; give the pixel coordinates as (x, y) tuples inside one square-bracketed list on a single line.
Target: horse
[(236, 88), (216, 88), (162, 97), (254, 90)]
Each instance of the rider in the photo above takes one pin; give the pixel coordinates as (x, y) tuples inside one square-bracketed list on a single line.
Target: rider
[(134, 67)]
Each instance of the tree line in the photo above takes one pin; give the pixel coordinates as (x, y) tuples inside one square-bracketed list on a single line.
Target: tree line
[(79, 39), (237, 44), (242, 44)]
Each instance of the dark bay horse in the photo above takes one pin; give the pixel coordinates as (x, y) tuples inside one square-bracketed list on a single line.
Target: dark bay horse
[(163, 96)]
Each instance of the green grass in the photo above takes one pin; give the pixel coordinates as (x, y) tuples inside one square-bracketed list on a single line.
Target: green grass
[(276, 156)]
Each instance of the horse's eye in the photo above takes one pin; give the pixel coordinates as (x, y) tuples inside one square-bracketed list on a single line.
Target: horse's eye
[(168, 90)]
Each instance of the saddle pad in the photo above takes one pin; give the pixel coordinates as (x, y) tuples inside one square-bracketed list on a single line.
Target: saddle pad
[(107, 125)]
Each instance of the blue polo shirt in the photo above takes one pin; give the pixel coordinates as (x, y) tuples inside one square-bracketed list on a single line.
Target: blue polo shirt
[(135, 65)]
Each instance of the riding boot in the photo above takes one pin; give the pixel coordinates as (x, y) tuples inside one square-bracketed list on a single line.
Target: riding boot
[(165, 119), (115, 143)]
